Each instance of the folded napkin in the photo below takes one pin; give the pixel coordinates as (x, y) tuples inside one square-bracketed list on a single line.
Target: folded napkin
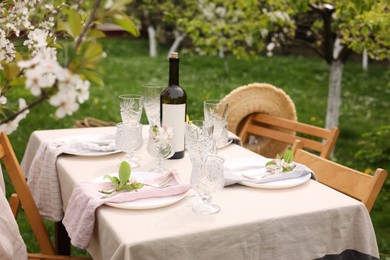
[(79, 217), (235, 139), (258, 176), (42, 174)]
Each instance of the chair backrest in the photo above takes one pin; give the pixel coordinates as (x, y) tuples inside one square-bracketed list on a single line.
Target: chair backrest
[(279, 129), (18, 180), (361, 186)]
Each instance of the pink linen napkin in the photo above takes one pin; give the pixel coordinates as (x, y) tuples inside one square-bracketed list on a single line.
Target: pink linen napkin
[(79, 217)]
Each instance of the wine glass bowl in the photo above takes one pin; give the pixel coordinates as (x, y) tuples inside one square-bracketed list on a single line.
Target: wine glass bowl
[(131, 106), (215, 113), (199, 138), (161, 145), (151, 94), (207, 177), (128, 140)]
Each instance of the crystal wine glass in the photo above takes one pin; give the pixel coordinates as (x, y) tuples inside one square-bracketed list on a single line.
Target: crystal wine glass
[(207, 177), (199, 138), (215, 112), (161, 145), (151, 94), (128, 140), (131, 106)]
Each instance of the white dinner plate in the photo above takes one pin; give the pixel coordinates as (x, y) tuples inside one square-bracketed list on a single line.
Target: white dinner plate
[(87, 138), (283, 184), (150, 203), (246, 163)]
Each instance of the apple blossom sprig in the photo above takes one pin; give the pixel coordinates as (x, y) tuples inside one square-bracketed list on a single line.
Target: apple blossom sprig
[(124, 181), (29, 57), (280, 164)]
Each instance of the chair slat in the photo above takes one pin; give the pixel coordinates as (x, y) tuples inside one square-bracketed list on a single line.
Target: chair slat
[(314, 138), (361, 186)]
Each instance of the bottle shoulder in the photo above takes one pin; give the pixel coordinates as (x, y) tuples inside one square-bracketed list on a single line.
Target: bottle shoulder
[(174, 92)]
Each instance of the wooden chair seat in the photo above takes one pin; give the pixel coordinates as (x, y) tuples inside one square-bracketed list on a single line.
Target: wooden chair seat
[(278, 129), (358, 185)]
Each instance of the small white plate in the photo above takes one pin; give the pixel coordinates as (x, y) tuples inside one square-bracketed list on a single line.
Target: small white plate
[(229, 141), (150, 203), (87, 138), (283, 184)]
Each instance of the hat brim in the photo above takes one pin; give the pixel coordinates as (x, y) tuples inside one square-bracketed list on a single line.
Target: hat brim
[(259, 98)]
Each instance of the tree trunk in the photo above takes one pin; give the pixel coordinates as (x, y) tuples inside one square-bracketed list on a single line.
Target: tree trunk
[(365, 60), (178, 39), (334, 94), (152, 41)]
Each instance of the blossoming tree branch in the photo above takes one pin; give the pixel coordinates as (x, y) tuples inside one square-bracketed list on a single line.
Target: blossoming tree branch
[(49, 51)]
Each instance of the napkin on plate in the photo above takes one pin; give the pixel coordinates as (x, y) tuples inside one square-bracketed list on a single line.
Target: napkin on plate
[(260, 175), (42, 174), (79, 217)]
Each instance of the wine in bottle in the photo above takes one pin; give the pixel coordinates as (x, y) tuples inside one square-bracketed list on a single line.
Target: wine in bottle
[(173, 106)]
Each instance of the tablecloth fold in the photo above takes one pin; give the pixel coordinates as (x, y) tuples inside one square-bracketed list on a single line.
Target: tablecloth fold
[(42, 175)]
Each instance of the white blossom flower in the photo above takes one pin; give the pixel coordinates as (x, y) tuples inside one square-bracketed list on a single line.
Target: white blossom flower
[(66, 103), (12, 125), (3, 100)]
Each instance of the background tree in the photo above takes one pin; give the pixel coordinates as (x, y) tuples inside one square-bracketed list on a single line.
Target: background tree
[(340, 28), (335, 30), (240, 28)]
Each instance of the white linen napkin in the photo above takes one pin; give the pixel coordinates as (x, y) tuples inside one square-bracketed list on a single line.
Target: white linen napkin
[(79, 217), (258, 174), (42, 177)]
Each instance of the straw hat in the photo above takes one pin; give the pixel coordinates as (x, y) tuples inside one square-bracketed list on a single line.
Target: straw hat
[(259, 98)]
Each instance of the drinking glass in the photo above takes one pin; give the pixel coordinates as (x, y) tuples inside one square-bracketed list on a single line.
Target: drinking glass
[(208, 178), (128, 140), (161, 145), (215, 113), (151, 94), (131, 106), (199, 138)]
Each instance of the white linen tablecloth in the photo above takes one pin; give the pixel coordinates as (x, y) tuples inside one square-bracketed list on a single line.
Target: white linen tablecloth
[(304, 222)]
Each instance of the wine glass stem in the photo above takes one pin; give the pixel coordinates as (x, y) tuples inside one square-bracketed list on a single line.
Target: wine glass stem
[(206, 198)]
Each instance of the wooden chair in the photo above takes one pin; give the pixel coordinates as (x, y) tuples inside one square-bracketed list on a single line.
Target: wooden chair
[(24, 198), (358, 185), (283, 130)]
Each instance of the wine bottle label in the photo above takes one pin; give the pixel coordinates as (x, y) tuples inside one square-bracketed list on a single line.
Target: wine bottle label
[(174, 116)]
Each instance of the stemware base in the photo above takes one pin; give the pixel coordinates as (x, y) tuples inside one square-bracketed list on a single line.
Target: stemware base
[(206, 209), (133, 164)]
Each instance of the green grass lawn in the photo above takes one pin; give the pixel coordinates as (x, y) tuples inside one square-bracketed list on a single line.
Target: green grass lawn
[(365, 104)]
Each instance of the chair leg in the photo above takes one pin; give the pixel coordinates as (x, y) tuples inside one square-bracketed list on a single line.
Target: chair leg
[(14, 204)]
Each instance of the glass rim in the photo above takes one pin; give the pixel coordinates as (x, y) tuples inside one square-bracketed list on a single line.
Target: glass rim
[(126, 96), (215, 101), (122, 124), (157, 85)]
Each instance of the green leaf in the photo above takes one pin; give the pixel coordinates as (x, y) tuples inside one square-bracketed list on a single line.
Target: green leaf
[(93, 50), (125, 23), (288, 156), (96, 34), (124, 174), (93, 76), (75, 23), (115, 181)]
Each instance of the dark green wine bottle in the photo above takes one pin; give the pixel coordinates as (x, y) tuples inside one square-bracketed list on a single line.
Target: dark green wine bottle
[(173, 106)]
